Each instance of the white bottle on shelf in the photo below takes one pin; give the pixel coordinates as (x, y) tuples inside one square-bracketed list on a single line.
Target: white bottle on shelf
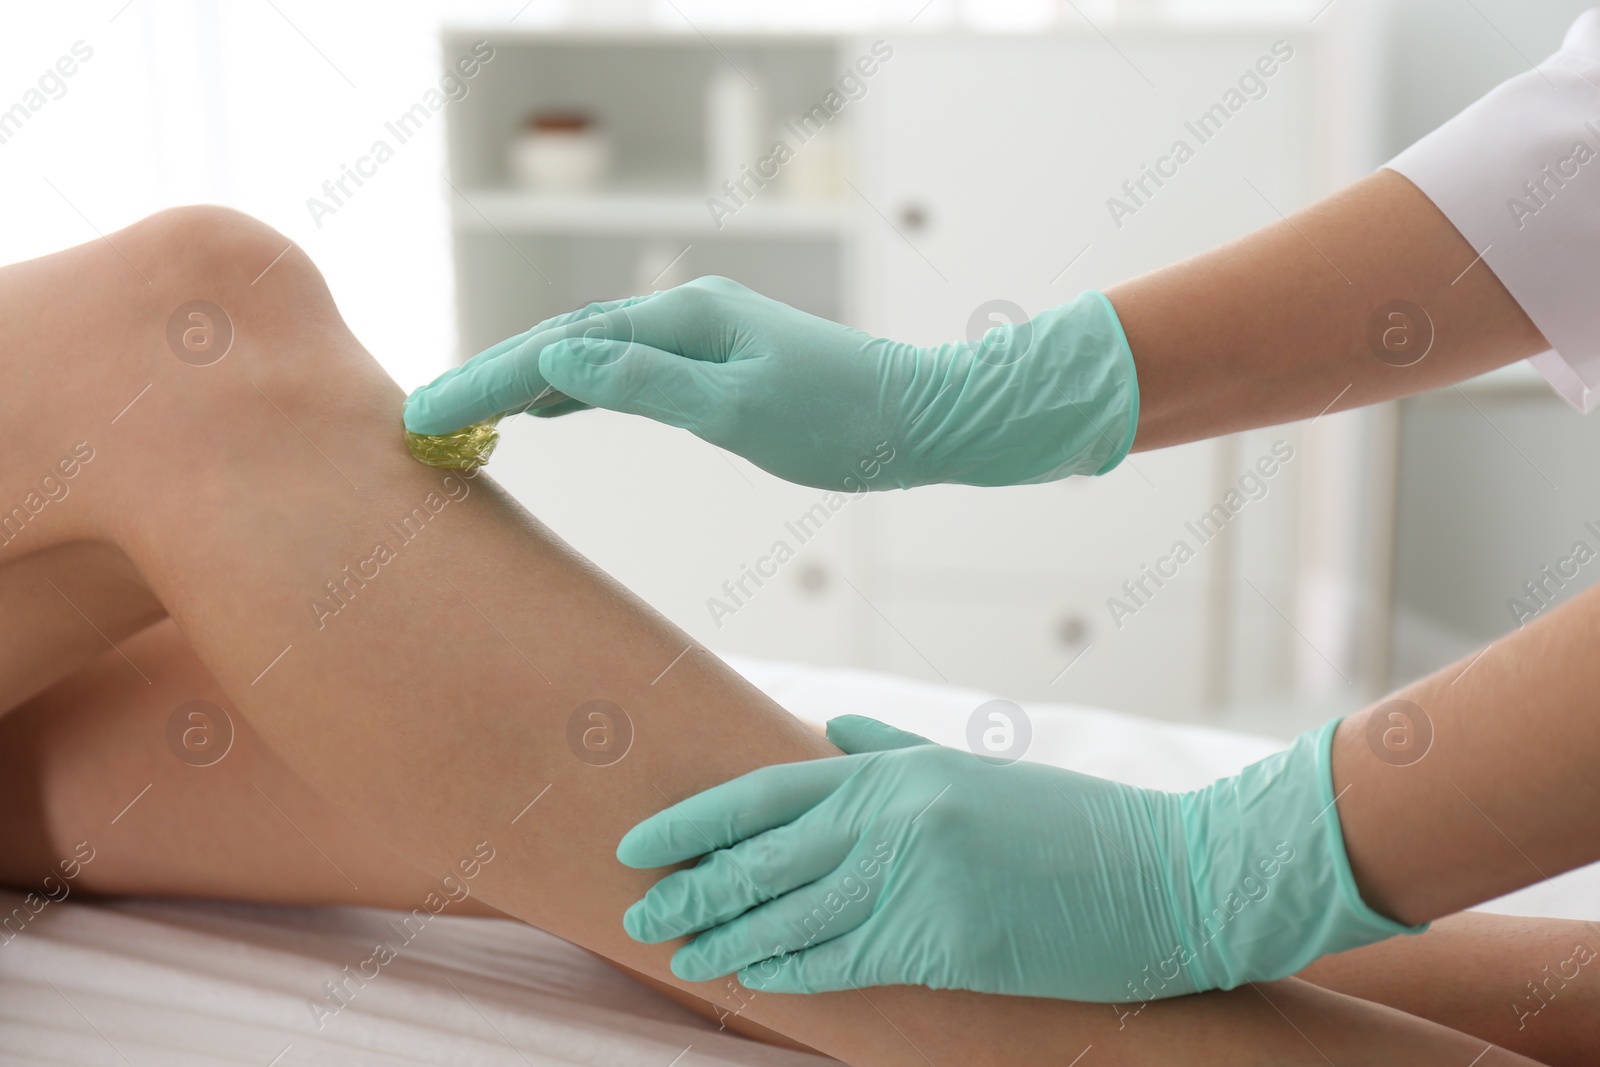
[(734, 124)]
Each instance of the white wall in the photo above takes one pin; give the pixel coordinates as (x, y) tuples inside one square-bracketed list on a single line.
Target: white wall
[(1443, 54), (253, 105)]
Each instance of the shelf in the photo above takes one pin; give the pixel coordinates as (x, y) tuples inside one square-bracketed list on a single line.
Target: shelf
[(1196, 16), (637, 212)]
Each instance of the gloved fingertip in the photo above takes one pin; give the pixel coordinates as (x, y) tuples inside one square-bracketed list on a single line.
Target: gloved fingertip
[(636, 921), (649, 844), (842, 730), (859, 733), (633, 852), (691, 968), (772, 981), (431, 411), (414, 412)]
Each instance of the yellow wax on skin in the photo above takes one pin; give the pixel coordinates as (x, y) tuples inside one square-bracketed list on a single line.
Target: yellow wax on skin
[(459, 450)]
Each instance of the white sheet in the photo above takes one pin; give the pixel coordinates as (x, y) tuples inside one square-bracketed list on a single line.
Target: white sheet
[(154, 982)]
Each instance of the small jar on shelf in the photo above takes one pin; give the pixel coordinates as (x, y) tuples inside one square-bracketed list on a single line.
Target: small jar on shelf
[(560, 152)]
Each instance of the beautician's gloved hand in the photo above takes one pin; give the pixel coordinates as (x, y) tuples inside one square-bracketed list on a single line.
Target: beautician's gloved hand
[(909, 863), (816, 402)]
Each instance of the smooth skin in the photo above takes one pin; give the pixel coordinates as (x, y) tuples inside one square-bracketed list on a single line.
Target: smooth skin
[(1273, 327), (430, 710)]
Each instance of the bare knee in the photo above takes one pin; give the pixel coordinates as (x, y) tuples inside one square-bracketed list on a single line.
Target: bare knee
[(293, 378), (195, 348), (154, 300), (207, 231), (151, 320), (203, 251), (242, 304)]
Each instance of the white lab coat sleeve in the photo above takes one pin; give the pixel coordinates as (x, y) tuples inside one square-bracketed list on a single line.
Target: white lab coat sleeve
[(1518, 173)]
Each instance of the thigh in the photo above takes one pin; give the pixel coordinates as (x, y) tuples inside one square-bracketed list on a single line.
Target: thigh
[(65, 605)]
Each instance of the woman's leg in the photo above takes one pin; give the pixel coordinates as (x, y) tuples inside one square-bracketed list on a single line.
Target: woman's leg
[(212, 815), (1532, 985), (419, 651), (68, 604), (77, 753), (219, 817)]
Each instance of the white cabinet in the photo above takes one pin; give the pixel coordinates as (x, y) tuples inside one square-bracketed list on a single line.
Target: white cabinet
[(995, 156), (974, 167)]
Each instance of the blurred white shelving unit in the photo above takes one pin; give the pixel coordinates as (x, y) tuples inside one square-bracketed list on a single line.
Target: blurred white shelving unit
[(641, 214), (646, 93), (971, 166)]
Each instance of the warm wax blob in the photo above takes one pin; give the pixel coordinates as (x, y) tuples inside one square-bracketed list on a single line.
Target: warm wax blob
[(459, 450)]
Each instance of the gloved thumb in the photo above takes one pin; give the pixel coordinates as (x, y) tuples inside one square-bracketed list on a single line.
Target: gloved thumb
[(857, 733), (635, 378)]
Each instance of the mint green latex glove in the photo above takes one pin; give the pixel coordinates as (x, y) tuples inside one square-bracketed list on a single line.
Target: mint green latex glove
[(907, 863), (815, 402)]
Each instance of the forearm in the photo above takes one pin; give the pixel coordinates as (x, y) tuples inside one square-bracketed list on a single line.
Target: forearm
[(1273, 327), (1505, 793)]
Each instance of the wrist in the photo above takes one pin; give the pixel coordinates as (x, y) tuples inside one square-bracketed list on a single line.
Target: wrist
[(1346, 882), (1271, 875), (1374, 840), (1035, 401), (1130, 374)]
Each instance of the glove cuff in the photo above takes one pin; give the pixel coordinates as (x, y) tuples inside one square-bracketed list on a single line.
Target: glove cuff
[(1360, 925), (1271, 881), (1034, 401), (1087, 378), (1131, 372)]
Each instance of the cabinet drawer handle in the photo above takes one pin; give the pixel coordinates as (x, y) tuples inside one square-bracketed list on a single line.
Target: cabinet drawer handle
[(914, 217), (813, 578), (1072, 630)]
